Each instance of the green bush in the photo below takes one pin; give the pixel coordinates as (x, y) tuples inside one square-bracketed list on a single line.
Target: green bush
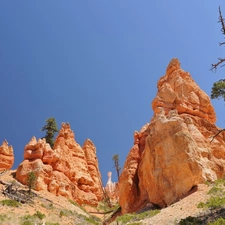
[(219, 221), (215, 202), (190, 221), (201, 205), (11, 203), (39, 215), (27, 222), (216, 191), (220, 182)]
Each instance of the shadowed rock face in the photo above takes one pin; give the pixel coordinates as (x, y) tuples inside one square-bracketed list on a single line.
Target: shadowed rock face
[(66, 170), (173, 153), (6, 156)]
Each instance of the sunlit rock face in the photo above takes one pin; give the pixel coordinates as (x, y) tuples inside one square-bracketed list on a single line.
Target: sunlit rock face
[(173, 152), (6, 156), (67, 169), (111, 188)]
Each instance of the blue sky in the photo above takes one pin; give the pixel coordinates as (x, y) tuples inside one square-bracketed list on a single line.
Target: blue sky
[(95, 64)]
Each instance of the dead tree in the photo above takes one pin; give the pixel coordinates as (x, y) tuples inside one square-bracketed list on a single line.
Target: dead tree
[(220, 60)]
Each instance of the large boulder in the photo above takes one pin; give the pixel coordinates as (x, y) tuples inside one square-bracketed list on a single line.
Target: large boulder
[(175, 152), (67, 169)]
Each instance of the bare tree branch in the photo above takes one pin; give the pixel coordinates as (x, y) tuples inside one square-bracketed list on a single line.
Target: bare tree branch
[(221, 43), (214, 66), (221, 20), (217, 135), (220, 60)]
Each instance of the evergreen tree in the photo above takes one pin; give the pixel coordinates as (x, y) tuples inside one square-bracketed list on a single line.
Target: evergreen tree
[(31, 181), (51, 129), (115, 159)]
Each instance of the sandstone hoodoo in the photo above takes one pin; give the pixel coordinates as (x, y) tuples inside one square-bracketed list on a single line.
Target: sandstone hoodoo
[(6, 156), (174, 152), (111, 189), (67, 169)]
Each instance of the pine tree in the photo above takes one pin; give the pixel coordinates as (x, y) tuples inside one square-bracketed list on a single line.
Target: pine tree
[(115, 159), (51, 129), (31, 181)]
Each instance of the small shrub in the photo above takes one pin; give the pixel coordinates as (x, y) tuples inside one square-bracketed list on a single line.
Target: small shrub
[(91, 220), (27, 222), (220, 182), (201, 205), (215, 202), (31, 180), (125, 218), (11, 203), (208, 183), (219, 221), (190, 221), (215, 191), (39, 215)]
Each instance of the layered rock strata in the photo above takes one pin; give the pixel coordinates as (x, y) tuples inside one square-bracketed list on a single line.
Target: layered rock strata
[(175, 151), (67, 169)]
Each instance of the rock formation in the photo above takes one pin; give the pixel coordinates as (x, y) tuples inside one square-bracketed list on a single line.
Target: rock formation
[(174, 152), (66, 170), (111, 188), (6, 156)]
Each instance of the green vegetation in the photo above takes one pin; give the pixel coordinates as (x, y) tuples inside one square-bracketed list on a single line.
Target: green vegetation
[(219, 221), (11, 203), (4, 217), (30, 220), (217, 196), (77, 205), (51, 129), (130, 218), (215, 191), (31, 180), (39, 215), (218, 89), (104, 206), (190, 221), (115, 159)]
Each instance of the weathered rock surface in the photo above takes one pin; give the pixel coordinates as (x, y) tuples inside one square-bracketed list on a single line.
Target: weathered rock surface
[(111, 189), (6, 156), (66, 170), (173, 153)]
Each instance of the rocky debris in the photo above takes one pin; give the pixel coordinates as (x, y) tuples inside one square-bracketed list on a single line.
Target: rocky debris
[(67, 169), (173, 153), (6, 156)]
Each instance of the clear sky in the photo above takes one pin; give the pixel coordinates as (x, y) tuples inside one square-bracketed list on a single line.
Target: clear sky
[(96, 63)]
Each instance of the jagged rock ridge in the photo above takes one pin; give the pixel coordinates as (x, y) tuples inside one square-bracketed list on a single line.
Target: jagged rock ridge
[(173, 152), (68, 169)]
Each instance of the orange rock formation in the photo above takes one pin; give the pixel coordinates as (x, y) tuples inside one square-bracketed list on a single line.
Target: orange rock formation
[(66, 170), (173, 153), (6, 156)]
